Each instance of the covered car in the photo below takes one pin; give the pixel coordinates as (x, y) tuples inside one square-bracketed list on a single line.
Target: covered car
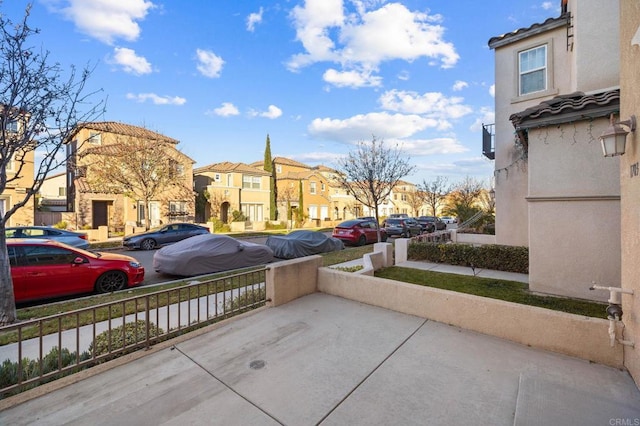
[(209, 253), (302, 243)]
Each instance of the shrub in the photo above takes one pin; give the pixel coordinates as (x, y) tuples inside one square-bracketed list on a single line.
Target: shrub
[(249, 297), (219, 225), (276, 225), (61, 225), (492, 256), (87, 226), (238, 216), (31, 368), (349, 268), (134, 332)]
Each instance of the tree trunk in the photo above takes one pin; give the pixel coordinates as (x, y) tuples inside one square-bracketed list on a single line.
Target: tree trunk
[(8, 313)]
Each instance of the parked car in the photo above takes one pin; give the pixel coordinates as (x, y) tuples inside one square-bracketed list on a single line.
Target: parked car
[(449, 219), (359, 232), (431, 223), (398, 215), (302, 243), (167, 234), (43, 269), (74, 239), (209, 253), (402, 227)]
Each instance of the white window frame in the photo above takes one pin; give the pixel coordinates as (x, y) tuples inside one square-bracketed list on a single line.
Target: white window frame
[(550, 89), (95, 138), (523, 73), (312, 188)]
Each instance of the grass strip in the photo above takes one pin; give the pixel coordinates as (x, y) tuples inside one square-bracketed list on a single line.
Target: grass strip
[(509, 291)]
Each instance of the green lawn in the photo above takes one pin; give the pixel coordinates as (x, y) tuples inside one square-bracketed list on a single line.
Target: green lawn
[(510, 291)]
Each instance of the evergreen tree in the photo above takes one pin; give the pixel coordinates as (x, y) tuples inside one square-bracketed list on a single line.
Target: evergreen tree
[(273, 189)]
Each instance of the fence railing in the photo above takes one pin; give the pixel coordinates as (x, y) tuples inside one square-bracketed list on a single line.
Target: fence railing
[(36, 351)]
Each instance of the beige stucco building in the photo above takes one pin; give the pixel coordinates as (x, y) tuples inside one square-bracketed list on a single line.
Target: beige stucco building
[(92, 204), (234, 187), (556, 85), (630, 182)]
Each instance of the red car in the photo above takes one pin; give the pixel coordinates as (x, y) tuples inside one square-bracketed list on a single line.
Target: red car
[(44, 269), (359, 232)]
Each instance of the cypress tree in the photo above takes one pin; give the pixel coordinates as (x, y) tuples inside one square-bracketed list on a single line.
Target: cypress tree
[(273, 190)]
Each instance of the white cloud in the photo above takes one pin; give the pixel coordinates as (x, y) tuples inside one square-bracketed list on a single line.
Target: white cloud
[(130, 62), (547, 5), (325, 158), (351, 78), (209, 64), (253, 19), (106, 20), (365, 38), (272, 113), (432, 104), (226, 110), (363, 126), (156, 99), (486, 116), (459, 85), (492, 90), (438, 146)]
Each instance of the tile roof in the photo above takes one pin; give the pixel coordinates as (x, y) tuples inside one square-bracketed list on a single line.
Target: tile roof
[(568, 108), (122, 129), (227, 166), (290, 162), (522, 33)]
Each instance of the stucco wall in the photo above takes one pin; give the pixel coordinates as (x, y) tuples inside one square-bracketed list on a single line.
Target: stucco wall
[(630, 180)]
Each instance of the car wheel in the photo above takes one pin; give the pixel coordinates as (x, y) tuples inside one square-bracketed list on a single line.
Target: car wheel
[(111, 281), (148, 244), (362, 240)]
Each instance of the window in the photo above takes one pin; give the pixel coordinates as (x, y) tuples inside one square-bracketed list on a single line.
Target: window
[(216, 177), (47, 255), (177, 208), (62, 191), (532, 65), (252, 182), (12, 126), (312, 187), (322, 188), (179, 169), (95, 138), (278, 168)]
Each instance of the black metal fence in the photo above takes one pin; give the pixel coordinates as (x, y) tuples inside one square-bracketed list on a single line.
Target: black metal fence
[(40, 350)]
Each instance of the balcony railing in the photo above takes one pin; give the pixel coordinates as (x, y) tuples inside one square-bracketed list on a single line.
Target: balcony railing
[(54, 346), (488, 141)]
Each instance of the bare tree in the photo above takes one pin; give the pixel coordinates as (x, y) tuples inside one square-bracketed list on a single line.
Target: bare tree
[(39, 108), (142, 169), (435, 193), (371, 171), (464, 199), (416, 198)]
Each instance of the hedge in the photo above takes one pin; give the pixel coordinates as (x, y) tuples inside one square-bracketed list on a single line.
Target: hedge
[(491, 256)]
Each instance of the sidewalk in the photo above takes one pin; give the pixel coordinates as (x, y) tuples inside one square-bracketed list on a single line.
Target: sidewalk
[(326, 360), (452, 269)]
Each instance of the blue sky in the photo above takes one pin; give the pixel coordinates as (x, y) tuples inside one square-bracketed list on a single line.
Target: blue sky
[(317, 75)]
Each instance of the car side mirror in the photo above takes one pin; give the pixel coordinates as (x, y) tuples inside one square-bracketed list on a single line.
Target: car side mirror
[(79, 260)]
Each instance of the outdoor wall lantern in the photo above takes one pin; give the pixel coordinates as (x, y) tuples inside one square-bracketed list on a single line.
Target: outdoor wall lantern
[(614, 137)]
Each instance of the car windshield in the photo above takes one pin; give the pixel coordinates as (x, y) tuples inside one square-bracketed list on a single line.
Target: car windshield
[(394, 221)]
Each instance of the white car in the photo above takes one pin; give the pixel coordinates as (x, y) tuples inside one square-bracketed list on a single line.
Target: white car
[(449, 219)]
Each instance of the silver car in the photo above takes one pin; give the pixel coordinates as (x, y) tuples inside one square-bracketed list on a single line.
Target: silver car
[(74, 239)]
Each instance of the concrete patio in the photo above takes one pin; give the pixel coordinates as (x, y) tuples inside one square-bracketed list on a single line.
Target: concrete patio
[(323, 359)]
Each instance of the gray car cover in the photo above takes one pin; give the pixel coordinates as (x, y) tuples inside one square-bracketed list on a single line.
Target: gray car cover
[(208, 253), (302, 243)]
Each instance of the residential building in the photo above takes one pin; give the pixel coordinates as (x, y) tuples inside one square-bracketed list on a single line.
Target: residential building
[(53, 193), (234, 187), (20, 179), (95, 198), (556, 86)]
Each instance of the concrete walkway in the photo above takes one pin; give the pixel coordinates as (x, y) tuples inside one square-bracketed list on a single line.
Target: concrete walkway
[(326, 360)]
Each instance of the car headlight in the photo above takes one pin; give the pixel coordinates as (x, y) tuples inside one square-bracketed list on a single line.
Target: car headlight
[(135, 264)]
